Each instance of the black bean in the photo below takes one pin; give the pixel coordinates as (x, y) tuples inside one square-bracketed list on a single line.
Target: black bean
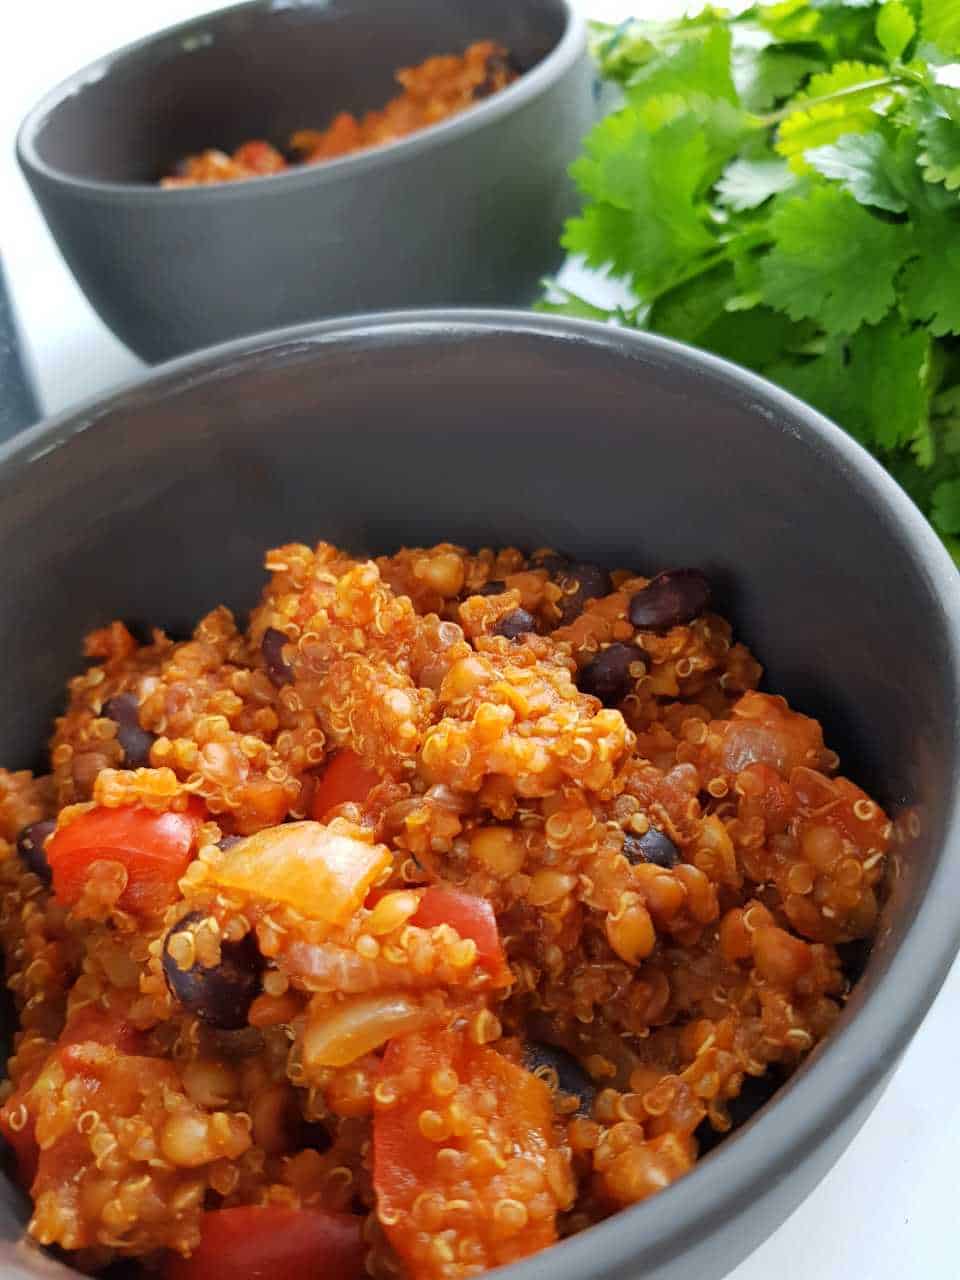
[(580, 583), (552, 561), (495, 587), (315, 1136), (854, 957), (653, 846), (548, 1059), (228, 842), (271, 646), (670, 599), (221, 995), (516, 624), (124, 710), (755, 1092), (607, 676), (30, 844)]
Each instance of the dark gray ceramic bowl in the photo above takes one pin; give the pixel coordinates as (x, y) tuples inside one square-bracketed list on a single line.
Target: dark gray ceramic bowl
[(468, 211), (486, 428)]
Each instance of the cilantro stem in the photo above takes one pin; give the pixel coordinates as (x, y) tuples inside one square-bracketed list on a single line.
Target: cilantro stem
[(738, 245), (777, 117)]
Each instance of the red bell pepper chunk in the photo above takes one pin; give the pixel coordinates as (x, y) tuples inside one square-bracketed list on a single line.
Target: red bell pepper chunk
[(345, 778), (90, 1022), (155, 848), (407, 1164), (273, 1242), (472, 917)]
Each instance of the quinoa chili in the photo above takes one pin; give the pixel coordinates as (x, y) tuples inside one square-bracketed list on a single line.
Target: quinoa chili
[(441, 86), (456, 903)]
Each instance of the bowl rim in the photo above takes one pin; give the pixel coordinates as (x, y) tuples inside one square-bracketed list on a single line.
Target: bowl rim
[(531, 84), (855, 1060)]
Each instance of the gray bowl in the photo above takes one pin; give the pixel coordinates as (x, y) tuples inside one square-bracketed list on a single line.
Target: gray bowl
[(158, 502), (468, 211)]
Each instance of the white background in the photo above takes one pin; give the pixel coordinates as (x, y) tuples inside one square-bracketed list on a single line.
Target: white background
[(889, 1209)]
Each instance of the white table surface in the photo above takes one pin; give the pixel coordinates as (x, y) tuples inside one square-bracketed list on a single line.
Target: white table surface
[(888, 1210)]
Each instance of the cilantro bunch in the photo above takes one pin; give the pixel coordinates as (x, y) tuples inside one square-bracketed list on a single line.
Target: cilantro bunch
[(782, 187)]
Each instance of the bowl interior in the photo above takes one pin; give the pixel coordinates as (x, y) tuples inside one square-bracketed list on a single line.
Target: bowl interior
[(263, 70)]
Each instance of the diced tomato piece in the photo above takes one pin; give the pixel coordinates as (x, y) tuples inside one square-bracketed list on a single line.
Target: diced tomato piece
[(93, 1023), (154, 847), (472, 917), (345, 778), (273, 1243), (89, 1023), (509, 1117)]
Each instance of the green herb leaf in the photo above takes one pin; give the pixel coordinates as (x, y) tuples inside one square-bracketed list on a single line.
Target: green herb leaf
[(946, 506), (699, 66), (940, 159), (866, 166), (764, 76), (875, 384), (645, 171), (941, 25), (750, 181), (563, 302), (931, 282), (832, 261), (816, 239), (895, 28), (841, 101)]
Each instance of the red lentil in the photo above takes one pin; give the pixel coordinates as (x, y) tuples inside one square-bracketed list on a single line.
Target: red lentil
[(333, 1016)]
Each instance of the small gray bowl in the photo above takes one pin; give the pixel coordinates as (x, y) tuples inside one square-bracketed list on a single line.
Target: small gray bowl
[(157, 502), (468, 211)]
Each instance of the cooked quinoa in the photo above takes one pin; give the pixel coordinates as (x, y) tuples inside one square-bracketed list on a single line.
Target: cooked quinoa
[(441, 86), (456, 903)]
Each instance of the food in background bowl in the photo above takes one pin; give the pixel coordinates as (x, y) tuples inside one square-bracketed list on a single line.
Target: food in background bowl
[(439, 87), (444, 911), (467, 211)]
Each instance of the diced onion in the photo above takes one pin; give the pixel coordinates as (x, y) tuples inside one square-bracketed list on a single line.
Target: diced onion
[(321, 872), (337, 1035)]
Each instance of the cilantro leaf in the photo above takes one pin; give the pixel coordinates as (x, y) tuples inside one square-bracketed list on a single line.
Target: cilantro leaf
[(816, 239), (565, 303), (689, 309), (696, 66), (819, 125), (874, 385), (698, 311), (620, 50), (860, 79), (895, 28), (790, 21), (645, 172), (940, 159), (866, 166), (931, 283), (832, 261), (946, 506), (750, 181), (945, 411), (764, 76), (754, 337), (941, 25), (844, 100)]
